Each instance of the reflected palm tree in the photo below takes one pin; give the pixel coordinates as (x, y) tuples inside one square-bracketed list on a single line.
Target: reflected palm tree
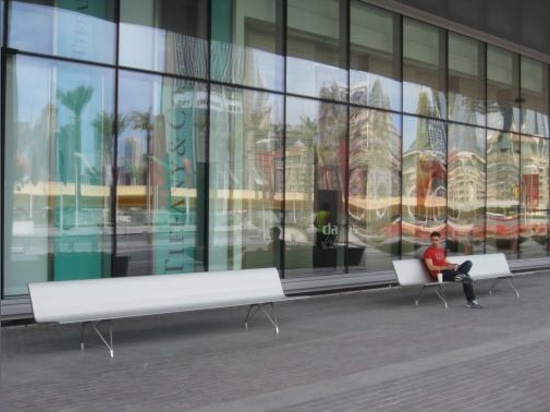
[(75, 100)]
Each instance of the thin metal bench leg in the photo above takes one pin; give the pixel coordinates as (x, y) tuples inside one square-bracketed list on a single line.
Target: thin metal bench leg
[(272, 318), (95, 327), (441, 294), (417, 300), (250, 315), (510, 281)]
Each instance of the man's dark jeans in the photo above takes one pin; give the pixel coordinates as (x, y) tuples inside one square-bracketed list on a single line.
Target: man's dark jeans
[(464, 268)]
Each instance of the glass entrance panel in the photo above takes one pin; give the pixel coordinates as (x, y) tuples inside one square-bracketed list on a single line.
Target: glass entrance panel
[(160, 174), (83, 30), (58, 172), (466, 183), (315, 187), (374, 206), (246, 179), (424, 181)]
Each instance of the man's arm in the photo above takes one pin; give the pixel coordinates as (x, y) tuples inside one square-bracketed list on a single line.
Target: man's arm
[(432, 267)]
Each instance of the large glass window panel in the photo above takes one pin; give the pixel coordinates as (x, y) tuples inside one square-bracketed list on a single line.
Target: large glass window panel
[(316, 48), (160, 185), (315, 187), (70, 28), (168, 36), (246, 43), (424, 181), (466, 183), (424, 69), (503, 193), (503, 97), (374, 206), (534, 97), (533, 226), (58, 172), (246, 181), (375, 61), (466, 80)]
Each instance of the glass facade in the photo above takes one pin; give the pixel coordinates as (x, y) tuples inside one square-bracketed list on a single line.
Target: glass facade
[(324, 138)]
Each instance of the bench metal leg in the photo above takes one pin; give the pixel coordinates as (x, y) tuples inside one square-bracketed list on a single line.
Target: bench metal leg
[(95, 326), (438, 289), (510, 281), (255, 308)]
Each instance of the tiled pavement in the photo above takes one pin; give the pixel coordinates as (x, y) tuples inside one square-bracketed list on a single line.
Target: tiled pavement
[(361, 351)]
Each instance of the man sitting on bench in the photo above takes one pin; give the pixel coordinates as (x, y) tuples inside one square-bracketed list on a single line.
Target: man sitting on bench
[(437, 262)]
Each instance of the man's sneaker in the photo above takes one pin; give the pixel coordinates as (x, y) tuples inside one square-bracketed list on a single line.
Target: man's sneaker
[(473, 304), (461, 277)]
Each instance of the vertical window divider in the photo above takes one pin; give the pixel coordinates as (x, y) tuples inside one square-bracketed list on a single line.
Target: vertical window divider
[(114, 165), (206, 183), (282, 8), (346, 19), (3, 67)]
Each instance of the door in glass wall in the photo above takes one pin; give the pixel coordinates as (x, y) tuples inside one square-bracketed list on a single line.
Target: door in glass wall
[(246, 43), (316, 62), (466, 182), (160, 174), (374, 205), (315, 188), (76, 29), (246, 179), (424, 181), (533, 224), (466, 80), (168, 36), (58, 172), (424, 80), (375, 57)]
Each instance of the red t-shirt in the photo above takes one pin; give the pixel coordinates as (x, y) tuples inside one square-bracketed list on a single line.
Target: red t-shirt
[(438, 257)]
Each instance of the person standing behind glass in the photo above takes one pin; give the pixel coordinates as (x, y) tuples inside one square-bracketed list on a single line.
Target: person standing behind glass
[(322, 226)]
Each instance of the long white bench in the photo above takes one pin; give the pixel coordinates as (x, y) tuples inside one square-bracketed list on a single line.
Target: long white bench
[(413, 272), (98, 301)]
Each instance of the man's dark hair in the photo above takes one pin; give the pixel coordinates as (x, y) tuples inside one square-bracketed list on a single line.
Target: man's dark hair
[(435, 233)]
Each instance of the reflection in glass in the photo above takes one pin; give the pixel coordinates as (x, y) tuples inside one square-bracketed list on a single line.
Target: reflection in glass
[(246, 43), (162, 127), (424, 181), (58, 172), (503, 193), (78, 30), (534, 97), (502, 89), (316, 52), (315, 160), (167, 36), (375, 72), (423, 69), (246, 179), (466, 190), (374, 207), (534, 197), (466, 80)]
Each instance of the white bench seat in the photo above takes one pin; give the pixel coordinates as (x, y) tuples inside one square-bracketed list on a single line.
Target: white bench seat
[(92, 302), (413, 272)]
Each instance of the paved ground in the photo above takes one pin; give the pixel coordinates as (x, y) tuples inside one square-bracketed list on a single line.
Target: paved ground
[(361, 351)]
